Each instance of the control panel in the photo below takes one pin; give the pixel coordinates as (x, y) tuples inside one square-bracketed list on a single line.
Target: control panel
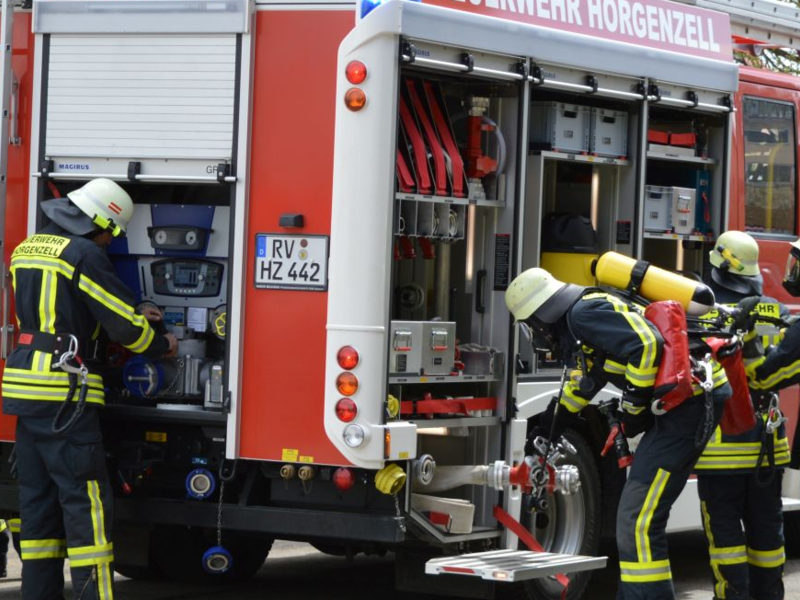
[(186, 277)]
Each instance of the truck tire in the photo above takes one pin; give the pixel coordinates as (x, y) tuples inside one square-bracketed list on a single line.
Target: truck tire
[(572, 526), (178, 553)]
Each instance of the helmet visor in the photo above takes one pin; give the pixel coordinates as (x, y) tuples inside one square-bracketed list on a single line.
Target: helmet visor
[(791, 278)]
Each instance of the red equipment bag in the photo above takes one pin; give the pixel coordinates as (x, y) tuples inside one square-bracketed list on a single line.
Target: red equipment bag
[(674, 378), (738, 415)]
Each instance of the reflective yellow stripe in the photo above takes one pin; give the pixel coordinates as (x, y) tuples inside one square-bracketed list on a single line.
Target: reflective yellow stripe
[(646, 516), (643, 572), (3, 525), (786, 372), (110, 301), (570, 400), (49, 393), (47, 378), (98, 517), (640, 375), (766, 559), (37, 549), (91, 555), (144, 341), (609, 366), (727, 462), (105, 581), (45, 264), (721, 583), (14, 525), (732, 555)]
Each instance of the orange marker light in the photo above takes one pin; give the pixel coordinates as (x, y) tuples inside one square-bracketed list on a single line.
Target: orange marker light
[(356, 72), (347, 357), (355, 99), (346, 410), (347, 384)]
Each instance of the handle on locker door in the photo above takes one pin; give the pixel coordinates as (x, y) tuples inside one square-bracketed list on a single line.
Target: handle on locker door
[(480, 292), (7, 329)]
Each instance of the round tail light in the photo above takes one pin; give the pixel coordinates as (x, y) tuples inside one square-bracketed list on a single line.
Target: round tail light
[(354, 435), (346, 410), (347, 384), (343, 479), (355, 99), (347, 357), (356, 72)]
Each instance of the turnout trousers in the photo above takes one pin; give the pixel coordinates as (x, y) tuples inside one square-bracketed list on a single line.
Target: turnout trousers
[(744, 525), (661, 466), (66, 503)]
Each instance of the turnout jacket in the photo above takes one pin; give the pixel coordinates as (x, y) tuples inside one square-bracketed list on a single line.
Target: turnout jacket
[(619, 346), (731, 454), (66, 284)]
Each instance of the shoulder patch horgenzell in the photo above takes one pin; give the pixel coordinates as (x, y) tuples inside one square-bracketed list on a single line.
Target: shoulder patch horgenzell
[(42, 245)]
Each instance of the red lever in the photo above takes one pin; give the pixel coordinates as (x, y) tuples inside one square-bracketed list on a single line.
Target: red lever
[(610, 440)]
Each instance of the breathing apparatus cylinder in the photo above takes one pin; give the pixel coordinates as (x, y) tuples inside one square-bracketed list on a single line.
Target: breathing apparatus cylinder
[(617, 270)]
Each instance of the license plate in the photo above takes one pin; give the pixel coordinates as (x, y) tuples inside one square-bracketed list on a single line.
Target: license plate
[(291, 262)]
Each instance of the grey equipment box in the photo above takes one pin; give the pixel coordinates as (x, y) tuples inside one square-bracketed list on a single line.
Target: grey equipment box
[(669, 209), (559, 126), (608, 133), (422, 347)]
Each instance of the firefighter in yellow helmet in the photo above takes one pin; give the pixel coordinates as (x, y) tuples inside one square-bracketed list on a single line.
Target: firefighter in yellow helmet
[(619, 346), (739, 478), (65, 289)]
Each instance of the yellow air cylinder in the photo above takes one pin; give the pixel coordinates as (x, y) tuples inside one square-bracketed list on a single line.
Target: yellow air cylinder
[(615, 270), (570, 267)]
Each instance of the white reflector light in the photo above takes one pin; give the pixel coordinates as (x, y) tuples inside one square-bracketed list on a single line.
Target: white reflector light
[(354, 435)]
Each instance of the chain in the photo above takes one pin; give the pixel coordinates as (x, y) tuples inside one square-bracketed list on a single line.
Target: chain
[(402, 520), (219, 513)]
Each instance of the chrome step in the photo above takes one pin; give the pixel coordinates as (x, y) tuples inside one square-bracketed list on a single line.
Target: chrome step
[(513, 565)]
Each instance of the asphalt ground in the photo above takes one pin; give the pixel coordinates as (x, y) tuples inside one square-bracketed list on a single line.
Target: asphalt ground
[(296, 571)]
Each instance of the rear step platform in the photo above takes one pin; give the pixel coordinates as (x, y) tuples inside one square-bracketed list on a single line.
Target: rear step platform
[(513, 565)]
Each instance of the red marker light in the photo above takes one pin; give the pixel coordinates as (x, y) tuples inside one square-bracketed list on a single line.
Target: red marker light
[(343, 479), (356, 72), (355, 99), (347, 357), (346, 410)]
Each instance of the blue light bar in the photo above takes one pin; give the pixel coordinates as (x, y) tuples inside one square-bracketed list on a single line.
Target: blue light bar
[(367, 6)]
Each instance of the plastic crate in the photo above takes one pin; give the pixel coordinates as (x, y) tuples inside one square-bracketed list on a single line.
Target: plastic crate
[(657, 208), (560, 127), (608, 132)]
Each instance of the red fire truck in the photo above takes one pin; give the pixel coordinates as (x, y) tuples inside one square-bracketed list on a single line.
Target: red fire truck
[(330, 236)]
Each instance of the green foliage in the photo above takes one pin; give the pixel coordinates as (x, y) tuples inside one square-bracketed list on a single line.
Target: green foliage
[(784, 60)]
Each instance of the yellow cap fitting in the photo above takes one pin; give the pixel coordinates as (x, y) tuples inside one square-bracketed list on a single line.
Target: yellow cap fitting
[(392, 407), (390, 479)]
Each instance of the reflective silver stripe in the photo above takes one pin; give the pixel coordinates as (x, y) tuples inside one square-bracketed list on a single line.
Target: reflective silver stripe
[(648, 571), (653, 494), (60, 265), (718, 555), (109, 553), (144, 341), (570, 401), (113, 302)]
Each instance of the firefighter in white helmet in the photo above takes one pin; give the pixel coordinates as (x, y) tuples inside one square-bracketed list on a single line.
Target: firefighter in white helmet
[(66, 289), (618, 346), (739, 477)]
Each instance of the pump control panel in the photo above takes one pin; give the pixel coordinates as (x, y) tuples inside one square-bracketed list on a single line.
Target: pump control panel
[(186, 277)]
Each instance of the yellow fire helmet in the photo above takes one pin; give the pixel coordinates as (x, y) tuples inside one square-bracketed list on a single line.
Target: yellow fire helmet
[(537, 292)]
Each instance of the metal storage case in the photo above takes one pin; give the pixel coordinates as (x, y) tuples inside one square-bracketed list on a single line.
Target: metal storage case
[(559, 126), (669, 209), (608, 132), (422, 347)]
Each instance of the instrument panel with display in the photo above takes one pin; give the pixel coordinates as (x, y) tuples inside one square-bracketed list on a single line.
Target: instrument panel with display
[(186, 277)]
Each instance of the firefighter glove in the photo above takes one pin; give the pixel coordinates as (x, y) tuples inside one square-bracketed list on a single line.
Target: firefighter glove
[(745, 318), (636, 415)]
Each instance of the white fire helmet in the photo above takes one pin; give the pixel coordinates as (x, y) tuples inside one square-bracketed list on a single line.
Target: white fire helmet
[(105, 203), (737, 253), (537, 291)]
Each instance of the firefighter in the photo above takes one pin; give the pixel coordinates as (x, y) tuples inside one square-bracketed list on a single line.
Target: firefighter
[(618, 346), (66, 290), (740, 499)]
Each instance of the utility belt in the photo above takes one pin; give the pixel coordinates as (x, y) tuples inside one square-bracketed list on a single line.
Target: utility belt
[(56, 343)]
